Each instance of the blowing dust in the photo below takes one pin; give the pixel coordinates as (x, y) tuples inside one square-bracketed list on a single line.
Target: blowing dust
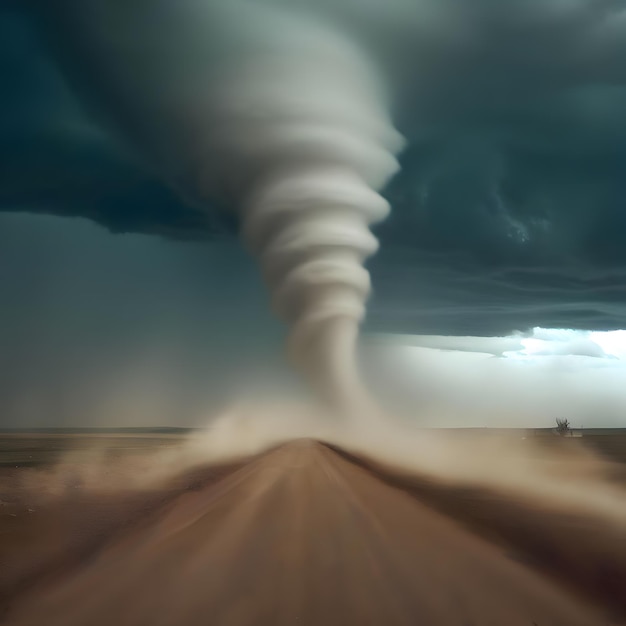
[(568, 477)]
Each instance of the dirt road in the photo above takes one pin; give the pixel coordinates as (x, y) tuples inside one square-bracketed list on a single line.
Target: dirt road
[(299, 535)]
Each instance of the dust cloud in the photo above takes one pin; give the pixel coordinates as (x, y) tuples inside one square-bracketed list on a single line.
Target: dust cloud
[(571, 475)]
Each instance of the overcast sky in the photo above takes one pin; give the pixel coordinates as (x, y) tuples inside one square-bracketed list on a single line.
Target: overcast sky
[(121, 299)]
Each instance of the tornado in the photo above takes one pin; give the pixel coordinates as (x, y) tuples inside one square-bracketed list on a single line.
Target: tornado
[(280, 112), (300, 130)]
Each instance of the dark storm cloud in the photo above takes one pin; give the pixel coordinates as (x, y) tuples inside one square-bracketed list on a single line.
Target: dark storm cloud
[(55, 159), (510, 210), (513, 190), (424, 293)]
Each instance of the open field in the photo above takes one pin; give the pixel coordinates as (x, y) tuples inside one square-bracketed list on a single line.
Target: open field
[(304, 533), (32, 449), (43, 447)]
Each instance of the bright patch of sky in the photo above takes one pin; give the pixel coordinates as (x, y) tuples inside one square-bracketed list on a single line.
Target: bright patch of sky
[(522, 380), (545, 342)]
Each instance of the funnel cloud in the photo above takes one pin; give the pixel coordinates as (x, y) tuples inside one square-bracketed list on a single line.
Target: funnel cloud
[(300, 128), (278, 113)]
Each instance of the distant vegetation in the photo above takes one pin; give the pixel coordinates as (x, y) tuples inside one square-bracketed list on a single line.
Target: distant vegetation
[(563, 427), (61, 430)]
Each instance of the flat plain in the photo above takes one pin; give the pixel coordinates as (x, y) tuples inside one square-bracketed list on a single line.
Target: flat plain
[(303, 533)]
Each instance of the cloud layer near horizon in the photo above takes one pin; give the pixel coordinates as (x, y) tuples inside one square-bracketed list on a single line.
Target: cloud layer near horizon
[(524, 380)]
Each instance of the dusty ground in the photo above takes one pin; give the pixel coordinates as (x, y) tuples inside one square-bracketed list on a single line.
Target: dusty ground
[(302, 534)]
